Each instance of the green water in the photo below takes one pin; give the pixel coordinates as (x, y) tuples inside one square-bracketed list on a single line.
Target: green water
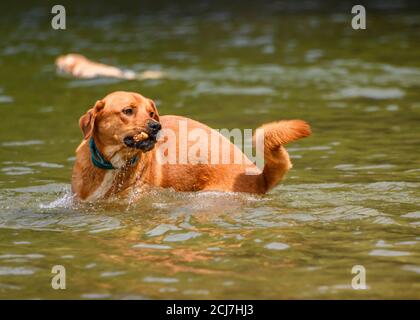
[(352, 197)]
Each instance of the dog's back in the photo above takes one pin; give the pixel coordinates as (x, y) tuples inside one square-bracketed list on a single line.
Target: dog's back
[(203, 159)]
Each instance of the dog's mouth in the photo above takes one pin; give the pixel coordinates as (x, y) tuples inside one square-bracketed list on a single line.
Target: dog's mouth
[(143, 141)]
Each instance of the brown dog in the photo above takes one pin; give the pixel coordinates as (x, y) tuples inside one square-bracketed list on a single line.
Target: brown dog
[(120, 152), (81, 67)]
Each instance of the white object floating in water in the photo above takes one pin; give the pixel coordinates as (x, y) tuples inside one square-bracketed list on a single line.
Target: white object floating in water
[(277, 246)]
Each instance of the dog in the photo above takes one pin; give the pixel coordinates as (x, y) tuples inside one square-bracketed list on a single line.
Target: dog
[(123, 145), (79, 66)]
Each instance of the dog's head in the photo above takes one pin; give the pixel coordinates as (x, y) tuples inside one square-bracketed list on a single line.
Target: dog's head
[(122, 124), (66, 63)]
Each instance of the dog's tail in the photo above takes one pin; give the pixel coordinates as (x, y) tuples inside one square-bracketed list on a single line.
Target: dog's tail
[(273, 136)]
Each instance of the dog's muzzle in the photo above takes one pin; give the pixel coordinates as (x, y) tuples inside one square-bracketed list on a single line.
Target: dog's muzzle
[(147, 144)]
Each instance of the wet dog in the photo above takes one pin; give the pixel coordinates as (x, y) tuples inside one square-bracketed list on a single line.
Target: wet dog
[(125, 143), (79, 66)]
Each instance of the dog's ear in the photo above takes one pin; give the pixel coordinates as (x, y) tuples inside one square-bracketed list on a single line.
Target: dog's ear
[(87, 121), (155, 111)]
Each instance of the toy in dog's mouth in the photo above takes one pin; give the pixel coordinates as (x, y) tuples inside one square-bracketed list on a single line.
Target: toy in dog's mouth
[(143, 141)]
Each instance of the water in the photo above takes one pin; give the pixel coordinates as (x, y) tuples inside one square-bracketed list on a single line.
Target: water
[(351, 198)]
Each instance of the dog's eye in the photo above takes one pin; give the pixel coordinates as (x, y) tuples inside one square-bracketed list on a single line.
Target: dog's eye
[(152, 114), (128, 111)]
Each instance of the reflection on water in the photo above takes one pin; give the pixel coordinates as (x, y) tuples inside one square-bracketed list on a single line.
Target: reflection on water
[(181, 245), (351, 199)]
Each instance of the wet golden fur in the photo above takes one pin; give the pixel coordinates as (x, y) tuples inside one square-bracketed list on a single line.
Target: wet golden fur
[(108, 126)]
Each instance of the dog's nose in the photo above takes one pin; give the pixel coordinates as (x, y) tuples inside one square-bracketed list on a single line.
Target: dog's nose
[(154, 125)]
